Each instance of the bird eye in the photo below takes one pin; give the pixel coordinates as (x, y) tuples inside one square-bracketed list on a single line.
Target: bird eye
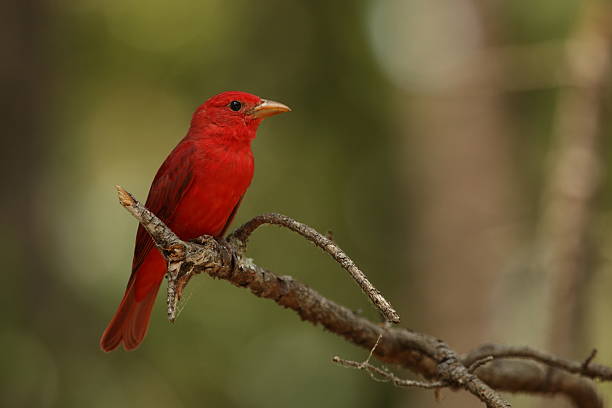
[(235, 106)]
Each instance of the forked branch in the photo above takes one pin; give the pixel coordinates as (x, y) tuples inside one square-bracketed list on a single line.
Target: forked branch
[(482, 372), (242, 234)]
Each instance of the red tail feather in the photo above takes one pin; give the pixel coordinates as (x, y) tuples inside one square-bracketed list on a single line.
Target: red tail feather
[(131, 321)]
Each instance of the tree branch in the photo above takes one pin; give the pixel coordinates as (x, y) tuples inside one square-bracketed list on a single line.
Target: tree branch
[(425, 355), (586, 368), (383, 375), (242, 234)]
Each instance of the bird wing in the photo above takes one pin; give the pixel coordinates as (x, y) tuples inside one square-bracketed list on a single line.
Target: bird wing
[(170, 184), (231, 217)]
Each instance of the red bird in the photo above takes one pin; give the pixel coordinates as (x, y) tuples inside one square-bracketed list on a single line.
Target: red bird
[(196, 191)]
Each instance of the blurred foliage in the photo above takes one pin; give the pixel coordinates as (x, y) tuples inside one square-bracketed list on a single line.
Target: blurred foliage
[(120, 82)]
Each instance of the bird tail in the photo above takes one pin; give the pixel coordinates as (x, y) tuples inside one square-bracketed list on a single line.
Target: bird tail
[(131, 321)]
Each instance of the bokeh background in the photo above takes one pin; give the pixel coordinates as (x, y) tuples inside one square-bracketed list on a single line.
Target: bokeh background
[(457, 149)]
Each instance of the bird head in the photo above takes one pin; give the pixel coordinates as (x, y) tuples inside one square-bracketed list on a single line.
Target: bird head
[(235, 110)]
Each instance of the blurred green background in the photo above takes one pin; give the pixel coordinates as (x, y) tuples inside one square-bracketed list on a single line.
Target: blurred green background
[(423, 134)]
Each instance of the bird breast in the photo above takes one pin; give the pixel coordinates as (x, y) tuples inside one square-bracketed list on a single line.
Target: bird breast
[(221, 176)]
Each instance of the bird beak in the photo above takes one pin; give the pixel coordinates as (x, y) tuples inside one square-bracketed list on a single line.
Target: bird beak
[(267, 108)]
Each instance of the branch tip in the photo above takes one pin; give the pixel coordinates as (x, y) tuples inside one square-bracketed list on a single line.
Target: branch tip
[(479, 363), (589, 359), (242, 234), (125, 198)]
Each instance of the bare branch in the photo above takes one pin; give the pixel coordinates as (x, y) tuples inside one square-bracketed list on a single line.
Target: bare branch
[(544, 373), (382, 375), (586, 368), (533, 378), (425, 355), (588, 360), (479, 363), (242, 234)]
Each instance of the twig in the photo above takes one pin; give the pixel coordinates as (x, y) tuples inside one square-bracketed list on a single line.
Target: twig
[(479, 363), (588, 360), (387, 376), (242, 234), (367, 360), (384, 375)]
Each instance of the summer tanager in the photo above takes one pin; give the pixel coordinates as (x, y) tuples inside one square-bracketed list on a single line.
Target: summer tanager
[(196, 191)]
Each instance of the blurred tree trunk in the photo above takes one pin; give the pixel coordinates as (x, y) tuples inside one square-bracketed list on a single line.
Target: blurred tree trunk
[(467, 229), (565, 255), (24, 83)]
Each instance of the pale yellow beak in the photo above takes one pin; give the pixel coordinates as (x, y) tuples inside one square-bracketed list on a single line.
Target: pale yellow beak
[(267, 108)]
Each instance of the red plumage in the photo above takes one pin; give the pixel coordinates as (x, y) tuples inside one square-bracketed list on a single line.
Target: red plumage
[(196, 191)]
